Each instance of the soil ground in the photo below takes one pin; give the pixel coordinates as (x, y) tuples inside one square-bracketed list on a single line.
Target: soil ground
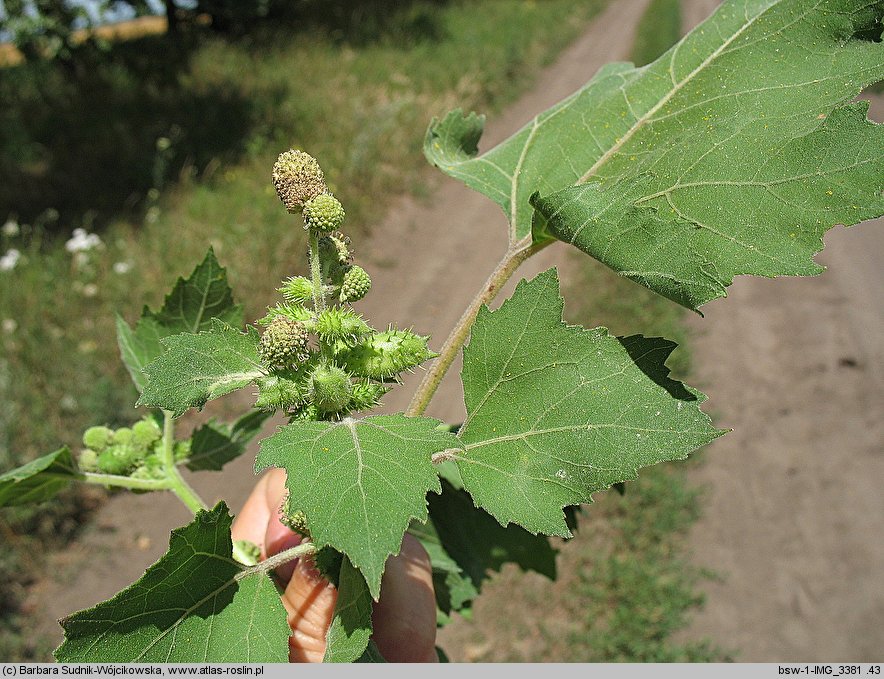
[(794, 512)]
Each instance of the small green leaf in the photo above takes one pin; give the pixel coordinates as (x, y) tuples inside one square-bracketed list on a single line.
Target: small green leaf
[(39, 479), (213, 445), (198, 367), (465, 543), (556, 412), (196, 300), (350, 629), (359, 482), (731, 154), (190, 307), (196, 604)]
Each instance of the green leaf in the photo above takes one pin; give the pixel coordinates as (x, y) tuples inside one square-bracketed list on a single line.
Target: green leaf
[(197, 368), (556, 412), (196, 604), (190, 307), (39, 479), (731, 154), (359, 482), (465, 543), (213, 445), (350, 629)]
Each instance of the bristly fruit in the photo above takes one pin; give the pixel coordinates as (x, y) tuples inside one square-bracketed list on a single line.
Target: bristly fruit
[(284, 344), (297, 289), (297, 178), (356, 284), (281, 392), (323, 213), (330, 388), (97, 438), (386, 354), (341, 324)]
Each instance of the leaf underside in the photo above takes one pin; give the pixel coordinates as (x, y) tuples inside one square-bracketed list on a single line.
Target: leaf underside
[(731, 154), (39, 479), (190, 307), (556, 412), (359, 482), (187, 607), (213, 445), (465, 543), (198, 367), (350, 629)]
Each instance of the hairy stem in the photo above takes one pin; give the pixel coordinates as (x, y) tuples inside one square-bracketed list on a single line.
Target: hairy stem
[(175, 481), (126, 481), (316, 274), (498, 278), (290, 554)]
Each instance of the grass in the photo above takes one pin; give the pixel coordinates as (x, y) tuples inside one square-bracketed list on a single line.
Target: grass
[(658, 30), (164, 148), (626, 586)]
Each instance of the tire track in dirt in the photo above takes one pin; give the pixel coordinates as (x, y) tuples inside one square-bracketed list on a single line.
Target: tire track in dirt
[(794, 513)]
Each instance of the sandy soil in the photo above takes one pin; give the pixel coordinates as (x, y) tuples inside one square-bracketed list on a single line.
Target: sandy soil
[(794, 513)]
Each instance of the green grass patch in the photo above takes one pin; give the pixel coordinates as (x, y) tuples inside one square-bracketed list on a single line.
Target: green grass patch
[(164, 148), (658, 30)]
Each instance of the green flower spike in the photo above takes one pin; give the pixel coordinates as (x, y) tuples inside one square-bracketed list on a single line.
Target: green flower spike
[(297, 178), (283, 344), (356, 284), (323, 213)]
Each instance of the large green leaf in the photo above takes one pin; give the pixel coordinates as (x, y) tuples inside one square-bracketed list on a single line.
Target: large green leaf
[(196, 604), (465, 543), (213, 445), (198, 367), (359, 482), (190, 307), (350, 629), (731, 154), (39, 479), (556, 412)]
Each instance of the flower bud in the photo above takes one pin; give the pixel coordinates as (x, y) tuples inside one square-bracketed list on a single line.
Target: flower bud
[(323, 213), (283, 344), (356, 284), (297, 178)]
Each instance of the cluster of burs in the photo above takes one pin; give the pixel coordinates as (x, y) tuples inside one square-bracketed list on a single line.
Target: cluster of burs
[(324, 360), (133, 452)]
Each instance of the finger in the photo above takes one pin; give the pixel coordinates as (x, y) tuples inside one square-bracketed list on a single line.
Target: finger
[(251, 523), (404, 619), (309, 600)]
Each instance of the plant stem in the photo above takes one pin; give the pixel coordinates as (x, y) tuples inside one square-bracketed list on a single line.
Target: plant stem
[(175, 481), (290, 554), (126, 481), (316, 274), (498, 278)]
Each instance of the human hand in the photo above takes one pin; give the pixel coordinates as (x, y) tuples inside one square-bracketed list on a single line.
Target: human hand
[(404, 620)]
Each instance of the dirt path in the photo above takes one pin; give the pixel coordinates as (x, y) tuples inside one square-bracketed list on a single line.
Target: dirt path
[(794, 515)]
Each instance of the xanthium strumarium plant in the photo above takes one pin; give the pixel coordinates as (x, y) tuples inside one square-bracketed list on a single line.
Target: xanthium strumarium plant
[(731, 154)]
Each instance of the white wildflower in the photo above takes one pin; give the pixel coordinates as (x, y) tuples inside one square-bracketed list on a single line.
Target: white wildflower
[(9, 260), (10, 228), (81, 241), (9, 325), (122, 267), (90, 290)]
